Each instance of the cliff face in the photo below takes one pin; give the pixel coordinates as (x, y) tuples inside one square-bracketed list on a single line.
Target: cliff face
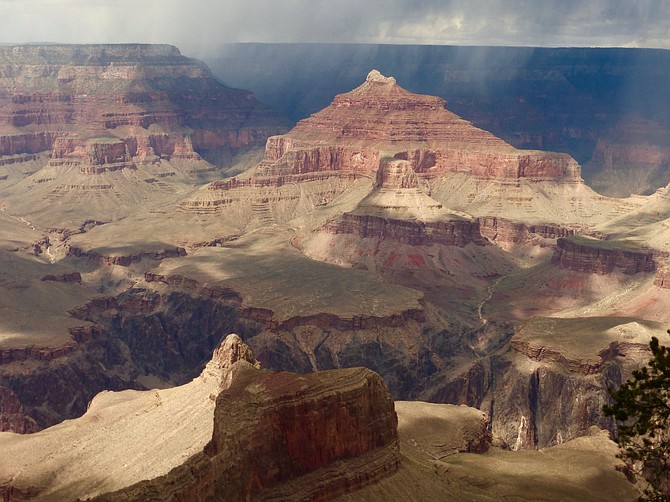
[(178, 333), (399, 210), (506, 233), (630, 158), (279, 435), (600, 258), (548, 385), (447, 233), (150, 99)]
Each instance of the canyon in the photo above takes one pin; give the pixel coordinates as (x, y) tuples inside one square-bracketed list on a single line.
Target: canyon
[(383, 231), (238, 432)]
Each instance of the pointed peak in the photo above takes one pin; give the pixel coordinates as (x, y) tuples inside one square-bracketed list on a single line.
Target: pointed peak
[(231, 350), (376, 77)]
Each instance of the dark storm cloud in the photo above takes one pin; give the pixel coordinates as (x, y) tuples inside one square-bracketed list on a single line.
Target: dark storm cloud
[(200, 23)]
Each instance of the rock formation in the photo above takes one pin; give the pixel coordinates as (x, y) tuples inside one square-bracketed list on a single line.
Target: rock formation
[(52, 90), (601, 257), (270, 434), (551, 382), (568, 100), (378, 125), (398, 230), (99, 127), (398, 210), (383, 231), (388, 119)]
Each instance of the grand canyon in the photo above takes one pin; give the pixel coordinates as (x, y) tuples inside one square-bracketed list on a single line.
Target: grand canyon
[(386, 294)]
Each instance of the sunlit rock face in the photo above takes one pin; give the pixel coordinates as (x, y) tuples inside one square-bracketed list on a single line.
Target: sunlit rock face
[(381, 116), (104, 105)]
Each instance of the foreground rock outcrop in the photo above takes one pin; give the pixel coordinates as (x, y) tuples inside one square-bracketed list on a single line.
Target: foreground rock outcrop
[(271, 435)]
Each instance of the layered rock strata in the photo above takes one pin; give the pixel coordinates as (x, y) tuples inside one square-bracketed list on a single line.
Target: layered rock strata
[(399, 210), (98, 109), (51, 89), (601, 257), (278, 435), (379, 120), (383, 119), (559, 99), (507, 233), (550, 383), (447, 233), (282, 435)]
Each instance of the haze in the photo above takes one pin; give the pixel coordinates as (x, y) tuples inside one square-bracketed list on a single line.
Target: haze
[(199, 25)]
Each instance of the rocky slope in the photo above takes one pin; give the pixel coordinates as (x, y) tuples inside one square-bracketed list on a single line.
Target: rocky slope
[(236, 432), (437, 443)]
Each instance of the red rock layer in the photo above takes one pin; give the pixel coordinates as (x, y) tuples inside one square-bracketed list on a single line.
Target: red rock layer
[(381, 116), (601, 257), (51, 91), (285, 156), (416, 233), (92, 156), (287, 436), (509, 232), (382, 112)]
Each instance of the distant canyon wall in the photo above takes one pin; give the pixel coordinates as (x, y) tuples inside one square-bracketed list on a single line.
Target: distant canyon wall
[(149, 98)]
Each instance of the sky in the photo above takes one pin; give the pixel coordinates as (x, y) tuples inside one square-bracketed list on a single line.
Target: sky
[(198, 25)]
